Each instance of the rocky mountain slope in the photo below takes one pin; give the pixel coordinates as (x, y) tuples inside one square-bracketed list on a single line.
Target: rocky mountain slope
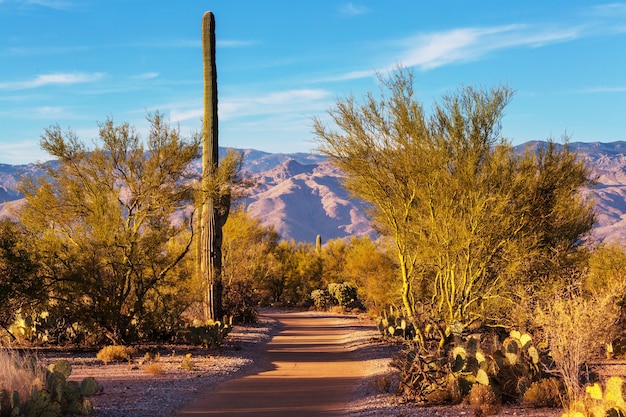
[(301, 194)]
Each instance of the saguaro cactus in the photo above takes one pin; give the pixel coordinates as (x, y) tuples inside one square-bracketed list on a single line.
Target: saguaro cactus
[(211, 220)]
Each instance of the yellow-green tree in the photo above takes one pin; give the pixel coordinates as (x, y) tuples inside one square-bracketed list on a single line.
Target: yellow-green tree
[(460, 205), (110, 226), (21, 286), (249, 263)]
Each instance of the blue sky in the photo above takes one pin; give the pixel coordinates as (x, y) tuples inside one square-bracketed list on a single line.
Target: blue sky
[(282, 62)]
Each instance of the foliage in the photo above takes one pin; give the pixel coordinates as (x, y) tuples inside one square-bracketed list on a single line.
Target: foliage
[(240, 301), (109, 225), (21, 286), (29, 390), (470, 220), (249, 264), (116, 353)]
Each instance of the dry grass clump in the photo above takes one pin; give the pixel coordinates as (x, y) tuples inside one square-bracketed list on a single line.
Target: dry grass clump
[(19, 373), (187, 363), (576, 328), (116, 354), (547, 392), (155, 368)]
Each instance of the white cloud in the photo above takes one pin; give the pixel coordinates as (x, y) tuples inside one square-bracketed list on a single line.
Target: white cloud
[(427, 51), (609, 9), (300, 101), (594, 90), (52, 79), (468, 44), (145, 76), (235, 43), (52, 4), (352, 9)]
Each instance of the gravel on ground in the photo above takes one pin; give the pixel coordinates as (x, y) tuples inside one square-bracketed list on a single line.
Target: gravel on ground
[(150, 386)]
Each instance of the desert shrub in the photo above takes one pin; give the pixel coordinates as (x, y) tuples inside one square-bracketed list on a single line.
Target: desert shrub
[(483, 401), (154, 368), (577, 327), (116, 354), (187, 363), (240, 301), (547, 392)]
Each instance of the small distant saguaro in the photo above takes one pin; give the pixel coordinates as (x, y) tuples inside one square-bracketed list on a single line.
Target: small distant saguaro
[(210, 224)]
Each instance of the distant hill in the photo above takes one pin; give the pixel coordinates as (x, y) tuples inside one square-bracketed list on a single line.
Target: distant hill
[(301, 194)]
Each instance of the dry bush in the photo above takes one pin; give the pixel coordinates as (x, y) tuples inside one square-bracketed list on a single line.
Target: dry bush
[(546, 392), (577, 327), (116, 354), (187, 363), (483, 400), (19, 374), (155, 368)]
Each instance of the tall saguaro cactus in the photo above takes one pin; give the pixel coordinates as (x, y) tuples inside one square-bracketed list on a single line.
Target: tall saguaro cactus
[(211, 218)]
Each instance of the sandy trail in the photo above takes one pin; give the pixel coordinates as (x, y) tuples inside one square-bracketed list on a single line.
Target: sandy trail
[(305, 370)]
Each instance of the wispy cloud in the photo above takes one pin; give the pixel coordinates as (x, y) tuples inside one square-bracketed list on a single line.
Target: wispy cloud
[(594, 90), (52, 79), (47, 50), (428, 51), (469, 44), (51, 4), (351, 9), (145, 76), (303, 101), (608, 10), (233, 43)]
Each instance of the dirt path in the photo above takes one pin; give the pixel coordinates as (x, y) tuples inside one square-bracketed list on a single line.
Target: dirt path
[(306, 370)]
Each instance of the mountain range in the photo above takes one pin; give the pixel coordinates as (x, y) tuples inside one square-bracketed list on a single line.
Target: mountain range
[(301, 194)]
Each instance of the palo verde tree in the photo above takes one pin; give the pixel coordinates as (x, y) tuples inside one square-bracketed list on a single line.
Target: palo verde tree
[(111, 226), (459, 203), (379, 144)]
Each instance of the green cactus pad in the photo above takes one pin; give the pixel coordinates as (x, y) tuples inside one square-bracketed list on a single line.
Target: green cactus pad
[(63, 367), (89, 386)]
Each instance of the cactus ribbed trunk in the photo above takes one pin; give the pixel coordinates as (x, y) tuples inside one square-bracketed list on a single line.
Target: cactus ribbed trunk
[(211, 223)]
